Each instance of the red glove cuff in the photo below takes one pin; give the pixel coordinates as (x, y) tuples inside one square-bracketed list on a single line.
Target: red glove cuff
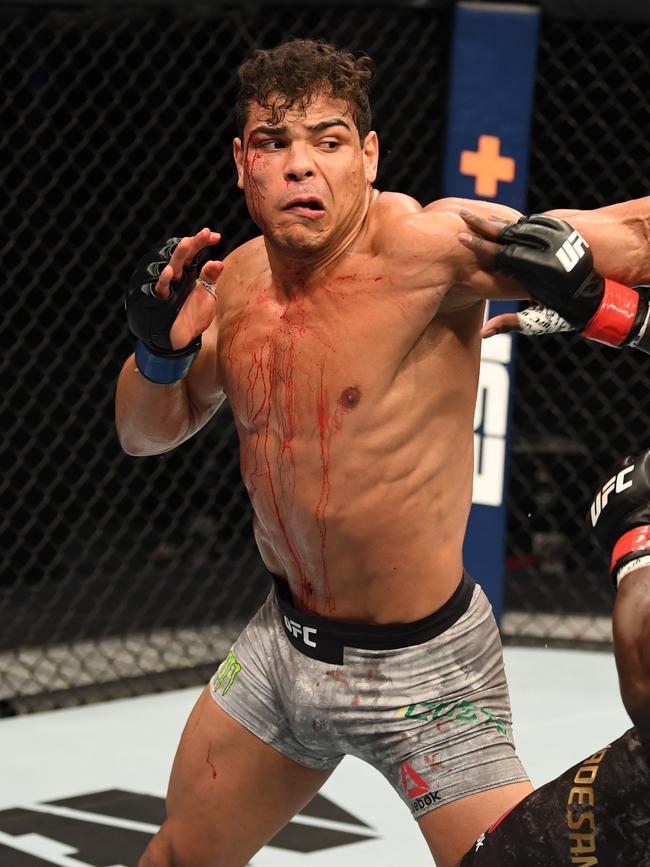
[(634, 540), (613, 320)]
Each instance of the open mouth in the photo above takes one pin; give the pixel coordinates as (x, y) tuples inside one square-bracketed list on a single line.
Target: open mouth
[(308, 205)]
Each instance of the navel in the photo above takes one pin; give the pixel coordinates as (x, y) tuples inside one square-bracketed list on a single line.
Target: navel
[(350, 397)]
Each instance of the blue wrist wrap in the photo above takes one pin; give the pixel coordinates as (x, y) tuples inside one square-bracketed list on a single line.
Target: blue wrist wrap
[(163, 369)]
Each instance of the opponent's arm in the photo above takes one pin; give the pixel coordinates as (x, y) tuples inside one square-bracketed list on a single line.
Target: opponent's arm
[(552, 823), (620, 519), (619, 237), (169, 388), (556, 262)]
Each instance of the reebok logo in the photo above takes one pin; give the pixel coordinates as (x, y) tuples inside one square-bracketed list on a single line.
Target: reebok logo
[(572, 251), (297, 629), (417, 790), (615, 485)]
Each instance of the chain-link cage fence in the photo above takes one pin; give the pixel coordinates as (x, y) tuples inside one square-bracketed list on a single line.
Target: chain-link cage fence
[(117, 132), (122, 573), (578, 405)]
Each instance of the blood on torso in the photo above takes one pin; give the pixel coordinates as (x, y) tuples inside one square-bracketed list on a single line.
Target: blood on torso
[(354, 405)]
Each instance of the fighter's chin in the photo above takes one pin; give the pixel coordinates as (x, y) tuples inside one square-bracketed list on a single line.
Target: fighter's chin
[(299, 240)]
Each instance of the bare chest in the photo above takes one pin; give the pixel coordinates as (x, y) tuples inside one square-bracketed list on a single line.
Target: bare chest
[(303, 364)]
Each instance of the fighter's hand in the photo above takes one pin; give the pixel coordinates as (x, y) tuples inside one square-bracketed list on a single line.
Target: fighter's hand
[(533, 321), (547, 256), (484, 239), (200, 305), (619, 515), (171, 298)]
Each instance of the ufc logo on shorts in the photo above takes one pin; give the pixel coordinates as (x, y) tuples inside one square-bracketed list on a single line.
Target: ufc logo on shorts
[(615, 485), (572, 251), (297, 629)]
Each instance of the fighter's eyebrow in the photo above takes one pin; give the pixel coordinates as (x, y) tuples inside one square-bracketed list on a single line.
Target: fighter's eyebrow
[(325, 124), (268, 130)]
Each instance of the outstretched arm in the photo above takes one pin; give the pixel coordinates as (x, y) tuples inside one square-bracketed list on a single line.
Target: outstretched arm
[(556, 262), (618, 235)]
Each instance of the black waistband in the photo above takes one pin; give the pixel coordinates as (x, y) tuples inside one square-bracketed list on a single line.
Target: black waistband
[(325, 639)]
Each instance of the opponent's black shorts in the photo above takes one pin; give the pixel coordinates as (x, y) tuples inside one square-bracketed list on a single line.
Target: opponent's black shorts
[(596, 814)]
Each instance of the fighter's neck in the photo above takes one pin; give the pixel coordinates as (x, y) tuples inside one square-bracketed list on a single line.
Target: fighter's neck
[(300, 273)]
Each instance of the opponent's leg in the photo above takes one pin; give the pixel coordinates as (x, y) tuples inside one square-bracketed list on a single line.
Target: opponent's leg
[(229, 794), (451, 829), (596, 813)]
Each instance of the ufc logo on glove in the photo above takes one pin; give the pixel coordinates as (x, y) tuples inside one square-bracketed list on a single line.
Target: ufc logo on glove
[(616, 484), (572, 251)]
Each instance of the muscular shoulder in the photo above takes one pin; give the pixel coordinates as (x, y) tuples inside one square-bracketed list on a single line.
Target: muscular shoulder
[(411, 235), (242, 264), (247, 257), (421, 244)]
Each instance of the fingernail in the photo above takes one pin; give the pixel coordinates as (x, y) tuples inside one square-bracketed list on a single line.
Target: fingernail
[(465, 238), (465, 212)]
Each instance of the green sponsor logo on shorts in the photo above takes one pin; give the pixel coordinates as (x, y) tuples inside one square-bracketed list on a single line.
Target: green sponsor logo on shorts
[(226, 673), (463, 711)]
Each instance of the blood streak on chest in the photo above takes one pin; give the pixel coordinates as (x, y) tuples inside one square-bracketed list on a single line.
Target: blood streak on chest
[(277, 400), (270, 404), (265, 396)]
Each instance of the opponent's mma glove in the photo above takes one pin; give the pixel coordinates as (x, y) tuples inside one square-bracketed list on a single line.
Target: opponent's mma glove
[(554, 262), (150, 318), (620, 515)]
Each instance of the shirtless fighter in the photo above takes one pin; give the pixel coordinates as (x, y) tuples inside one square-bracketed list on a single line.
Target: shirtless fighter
[(347, 341)]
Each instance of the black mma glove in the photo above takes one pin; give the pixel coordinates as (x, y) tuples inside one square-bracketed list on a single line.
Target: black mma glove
[(150, 318), (620, 514), (554, 262)]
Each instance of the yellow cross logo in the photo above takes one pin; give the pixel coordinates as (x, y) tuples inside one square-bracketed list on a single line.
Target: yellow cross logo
[(487, 166)]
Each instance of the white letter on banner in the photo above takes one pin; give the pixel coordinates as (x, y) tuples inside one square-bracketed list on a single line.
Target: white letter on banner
[(490, 420)]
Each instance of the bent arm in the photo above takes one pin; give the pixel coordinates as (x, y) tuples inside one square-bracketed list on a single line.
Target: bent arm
[(152, 419), (631, 620), (619, 237)]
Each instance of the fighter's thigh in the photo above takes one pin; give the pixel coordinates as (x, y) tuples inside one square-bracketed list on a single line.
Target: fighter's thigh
[(229, 793), (451, 830)]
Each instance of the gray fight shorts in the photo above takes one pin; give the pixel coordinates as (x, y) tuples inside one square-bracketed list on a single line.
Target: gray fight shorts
[(426, 703)]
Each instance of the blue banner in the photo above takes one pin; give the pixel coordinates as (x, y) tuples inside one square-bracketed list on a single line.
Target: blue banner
[(486, 157)]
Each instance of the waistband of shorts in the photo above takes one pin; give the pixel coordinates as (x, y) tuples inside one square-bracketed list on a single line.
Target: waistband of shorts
[(325, 639)]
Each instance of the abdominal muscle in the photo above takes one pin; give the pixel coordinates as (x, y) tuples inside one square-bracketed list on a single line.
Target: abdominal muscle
[(364, 521)]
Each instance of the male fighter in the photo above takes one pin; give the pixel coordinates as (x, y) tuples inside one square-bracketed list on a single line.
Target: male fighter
[(347, 341), (598, 812)]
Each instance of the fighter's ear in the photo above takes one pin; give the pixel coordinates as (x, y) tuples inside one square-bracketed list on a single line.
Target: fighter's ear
[(238, 156), (370, 149)]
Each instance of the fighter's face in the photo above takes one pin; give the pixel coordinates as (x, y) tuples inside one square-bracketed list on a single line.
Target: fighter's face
[(307, 179)]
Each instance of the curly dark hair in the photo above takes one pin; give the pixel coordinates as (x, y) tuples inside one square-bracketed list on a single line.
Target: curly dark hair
[(292, 75)]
